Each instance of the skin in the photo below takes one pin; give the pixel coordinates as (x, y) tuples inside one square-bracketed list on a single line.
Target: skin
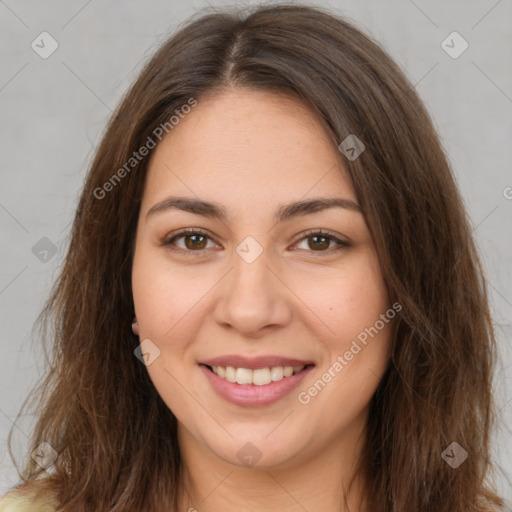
[(251, 152)]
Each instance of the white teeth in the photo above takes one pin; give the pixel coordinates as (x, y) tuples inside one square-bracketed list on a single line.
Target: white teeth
[(230, 374), (277, 373), (261, 376), (243, 376), (258, 377)]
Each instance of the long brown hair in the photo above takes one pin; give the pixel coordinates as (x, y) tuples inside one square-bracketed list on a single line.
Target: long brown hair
[(98, 409)]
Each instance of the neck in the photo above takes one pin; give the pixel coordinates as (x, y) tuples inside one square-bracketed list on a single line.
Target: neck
[(323, 481)]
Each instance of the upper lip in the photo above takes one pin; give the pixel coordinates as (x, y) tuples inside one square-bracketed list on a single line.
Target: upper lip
[(253, 363)]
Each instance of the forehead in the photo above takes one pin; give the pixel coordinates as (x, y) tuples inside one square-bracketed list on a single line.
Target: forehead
[(252, 143)]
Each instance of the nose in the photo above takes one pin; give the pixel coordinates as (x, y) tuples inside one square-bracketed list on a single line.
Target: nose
[(253, 299)]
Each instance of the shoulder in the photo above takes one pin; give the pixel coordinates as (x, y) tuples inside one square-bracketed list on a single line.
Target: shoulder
[(23, 500)]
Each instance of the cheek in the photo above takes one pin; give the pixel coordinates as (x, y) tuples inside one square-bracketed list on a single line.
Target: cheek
[(347, 300), (357, 341), (164, 301), (166, 296)]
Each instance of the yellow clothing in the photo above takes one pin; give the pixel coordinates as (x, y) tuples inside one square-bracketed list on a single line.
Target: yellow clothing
[(17, 501)]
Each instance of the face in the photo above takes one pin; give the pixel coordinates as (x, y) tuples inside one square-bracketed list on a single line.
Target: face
[(257, 290)]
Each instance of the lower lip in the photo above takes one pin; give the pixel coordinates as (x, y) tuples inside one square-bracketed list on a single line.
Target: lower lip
[(250, 395)]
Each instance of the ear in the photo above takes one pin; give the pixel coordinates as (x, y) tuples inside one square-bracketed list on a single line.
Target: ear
[(135, 326)]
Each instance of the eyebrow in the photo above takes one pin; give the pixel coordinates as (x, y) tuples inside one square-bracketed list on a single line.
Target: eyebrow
[(282, 214)]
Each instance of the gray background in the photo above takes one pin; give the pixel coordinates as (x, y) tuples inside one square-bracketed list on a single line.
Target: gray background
[(54, 110)]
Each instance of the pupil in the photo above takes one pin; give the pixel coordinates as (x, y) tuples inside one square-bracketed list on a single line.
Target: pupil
[(316, 238), (196, 243), (195, 239)]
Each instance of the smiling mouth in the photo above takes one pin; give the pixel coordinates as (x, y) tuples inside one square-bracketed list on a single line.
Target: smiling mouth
[(258, 376)]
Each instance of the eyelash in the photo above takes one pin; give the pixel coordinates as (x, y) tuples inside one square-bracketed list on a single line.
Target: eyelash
[(168, 242)]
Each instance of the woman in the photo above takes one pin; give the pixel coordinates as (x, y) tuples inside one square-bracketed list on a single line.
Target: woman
[(271, 299)]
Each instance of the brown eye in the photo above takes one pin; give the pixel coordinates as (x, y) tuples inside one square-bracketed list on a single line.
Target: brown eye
[(196, 241), (193, 241), (318, 241)]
